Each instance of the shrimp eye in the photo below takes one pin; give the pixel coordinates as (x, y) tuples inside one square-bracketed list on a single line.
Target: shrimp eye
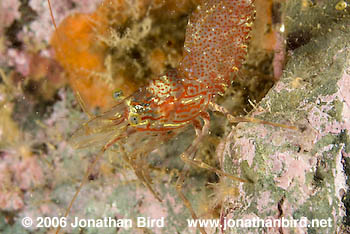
[(117, 94), (134, 119)]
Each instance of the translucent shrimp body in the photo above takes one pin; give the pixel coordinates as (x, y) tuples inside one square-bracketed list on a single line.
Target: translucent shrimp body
[(215, 45)]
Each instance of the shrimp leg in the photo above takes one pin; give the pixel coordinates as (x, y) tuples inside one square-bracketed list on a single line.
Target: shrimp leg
[(232, 119), (189, 158), (141, 174), (187, 154), (200, 164), (179, 184)]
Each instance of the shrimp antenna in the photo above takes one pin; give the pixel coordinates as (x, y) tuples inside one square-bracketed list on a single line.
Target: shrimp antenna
[(51, 14), (76, 93), (82, 183), (93, 164)]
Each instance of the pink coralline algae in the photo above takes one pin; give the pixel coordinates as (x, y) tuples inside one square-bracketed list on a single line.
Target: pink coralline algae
[(43, 25), (9, 13), (292, 169), (344, 96), (10, 197), (18, 174)]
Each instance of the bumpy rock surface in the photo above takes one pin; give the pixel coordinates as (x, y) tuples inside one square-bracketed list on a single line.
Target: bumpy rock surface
[(302, 173)]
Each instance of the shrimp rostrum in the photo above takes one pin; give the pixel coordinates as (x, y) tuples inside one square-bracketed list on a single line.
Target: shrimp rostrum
[(215, 45)]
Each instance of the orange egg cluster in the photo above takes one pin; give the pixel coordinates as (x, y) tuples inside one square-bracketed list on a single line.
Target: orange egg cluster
[(216, 42)]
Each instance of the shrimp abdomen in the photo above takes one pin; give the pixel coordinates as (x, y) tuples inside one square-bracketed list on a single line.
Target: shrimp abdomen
[(216, 41)]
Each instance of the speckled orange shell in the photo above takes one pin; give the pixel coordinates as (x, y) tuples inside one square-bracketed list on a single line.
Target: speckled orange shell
[(216, 41), (215, 46)]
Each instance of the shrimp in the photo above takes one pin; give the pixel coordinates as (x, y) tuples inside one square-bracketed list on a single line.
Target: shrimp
[(215, 46)]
